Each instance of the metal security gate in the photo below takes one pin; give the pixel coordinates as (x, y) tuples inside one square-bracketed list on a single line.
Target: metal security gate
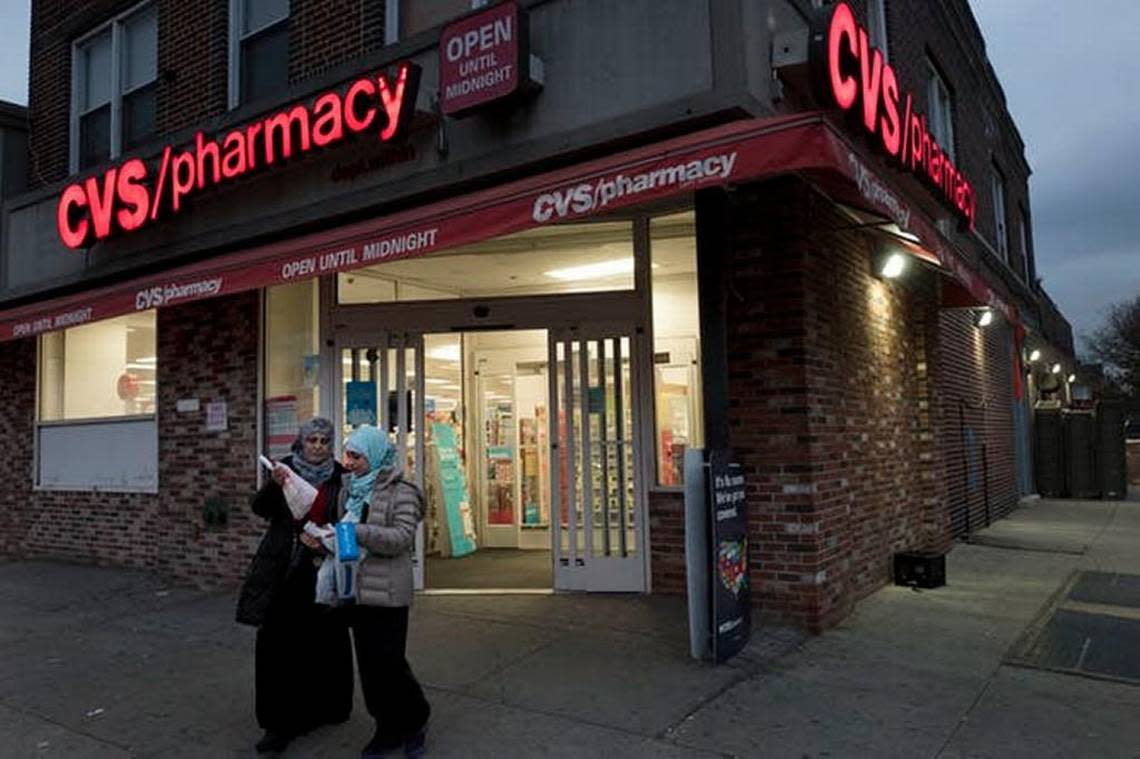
[(596, 498), (380, 381)]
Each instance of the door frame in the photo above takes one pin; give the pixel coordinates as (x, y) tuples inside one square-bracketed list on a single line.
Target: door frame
[(345, 324)]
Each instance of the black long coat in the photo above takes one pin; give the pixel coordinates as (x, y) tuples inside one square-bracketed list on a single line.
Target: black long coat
[(282, 575)]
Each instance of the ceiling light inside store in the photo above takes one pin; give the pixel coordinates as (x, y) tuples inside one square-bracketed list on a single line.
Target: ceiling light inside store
[(984, 318), (1034, 355), (894, 266), (450, 353), (1056, 369), (592, 271)]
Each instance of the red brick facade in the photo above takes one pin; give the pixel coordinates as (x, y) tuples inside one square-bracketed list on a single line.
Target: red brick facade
[(205, 351)]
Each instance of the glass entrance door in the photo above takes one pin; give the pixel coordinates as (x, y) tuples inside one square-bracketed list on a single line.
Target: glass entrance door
[(381, 382), (595, 495)]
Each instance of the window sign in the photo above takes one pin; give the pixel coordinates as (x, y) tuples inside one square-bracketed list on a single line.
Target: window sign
[(360, 403)]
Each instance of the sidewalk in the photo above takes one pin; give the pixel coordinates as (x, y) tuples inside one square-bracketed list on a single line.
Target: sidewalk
[(110, 663)]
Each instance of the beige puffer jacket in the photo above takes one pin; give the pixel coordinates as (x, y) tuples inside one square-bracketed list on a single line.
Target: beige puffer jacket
[(389, 534)]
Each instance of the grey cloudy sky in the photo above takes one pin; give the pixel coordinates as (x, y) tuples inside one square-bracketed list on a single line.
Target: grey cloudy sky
[(1070, 74)]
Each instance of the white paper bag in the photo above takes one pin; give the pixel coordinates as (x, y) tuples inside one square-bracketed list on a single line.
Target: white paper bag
[(299, 494)]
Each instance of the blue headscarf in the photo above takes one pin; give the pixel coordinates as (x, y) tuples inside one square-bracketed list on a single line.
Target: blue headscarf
[(374, 446)]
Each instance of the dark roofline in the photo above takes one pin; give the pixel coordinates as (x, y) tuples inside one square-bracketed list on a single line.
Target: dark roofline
[(13, 115)]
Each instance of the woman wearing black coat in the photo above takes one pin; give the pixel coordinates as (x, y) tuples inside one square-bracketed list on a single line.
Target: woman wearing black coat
[(293, 696)]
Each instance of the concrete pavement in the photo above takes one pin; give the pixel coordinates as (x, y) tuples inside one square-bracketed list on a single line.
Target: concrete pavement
[(103, 662)]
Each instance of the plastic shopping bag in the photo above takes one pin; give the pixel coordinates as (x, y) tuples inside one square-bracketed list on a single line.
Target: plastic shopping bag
[(299, 494)]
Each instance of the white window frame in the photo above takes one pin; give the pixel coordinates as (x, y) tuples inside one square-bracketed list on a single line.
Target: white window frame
[(392, 18), (236, 38), (941, 110), (117, 92), (1001, 218), (877, 26)]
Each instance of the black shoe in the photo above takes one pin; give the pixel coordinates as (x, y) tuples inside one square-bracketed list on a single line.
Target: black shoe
[(379, 746), (416, 746), (273, 743)]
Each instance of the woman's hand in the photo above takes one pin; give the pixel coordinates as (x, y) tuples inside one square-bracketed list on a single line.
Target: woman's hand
[(280, 474), (312, 543)]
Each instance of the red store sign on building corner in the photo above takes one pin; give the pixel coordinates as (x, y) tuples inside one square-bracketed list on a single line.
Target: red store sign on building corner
[(852, 74), (485, 57), (132, 194)]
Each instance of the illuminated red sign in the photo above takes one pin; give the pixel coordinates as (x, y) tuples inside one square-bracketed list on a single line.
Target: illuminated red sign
[(123, 198), (483, 57), (854, 74)]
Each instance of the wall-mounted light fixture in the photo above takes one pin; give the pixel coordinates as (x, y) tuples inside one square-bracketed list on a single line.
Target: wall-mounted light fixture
[(984, 317), (1056, 369), (1034, 355), (891, 265), (1072, 378)]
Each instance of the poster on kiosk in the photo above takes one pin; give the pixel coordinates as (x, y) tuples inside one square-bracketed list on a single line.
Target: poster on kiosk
[(716, 556), (732, 591)]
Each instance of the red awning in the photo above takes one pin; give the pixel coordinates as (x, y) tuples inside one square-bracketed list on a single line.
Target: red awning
[(731, 154)]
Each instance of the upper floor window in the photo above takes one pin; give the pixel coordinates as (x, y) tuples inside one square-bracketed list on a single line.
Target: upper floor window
[(941, 109), (114, 75), (414, 16), (877, 25), (1023, 227), (259, 49), (1001, 234)]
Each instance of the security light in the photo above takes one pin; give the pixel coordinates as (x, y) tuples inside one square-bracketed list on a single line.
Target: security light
[(893, 266), (1072, 378), (984, 317), (1034, 355), (1056, 369)]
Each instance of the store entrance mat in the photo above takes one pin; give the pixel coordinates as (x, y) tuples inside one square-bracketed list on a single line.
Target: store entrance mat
[(1090, 627)]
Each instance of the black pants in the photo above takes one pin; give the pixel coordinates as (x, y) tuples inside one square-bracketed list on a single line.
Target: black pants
[(393, 696), (303, 670)]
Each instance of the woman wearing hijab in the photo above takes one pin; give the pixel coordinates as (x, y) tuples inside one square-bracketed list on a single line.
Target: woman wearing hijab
[(386, 508), (278, 597)]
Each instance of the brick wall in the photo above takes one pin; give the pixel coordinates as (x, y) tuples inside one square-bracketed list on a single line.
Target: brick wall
[(17, 424), (831, 404), (985, 135), (976, 438), (667, 541), (193, 61), (205, 351)]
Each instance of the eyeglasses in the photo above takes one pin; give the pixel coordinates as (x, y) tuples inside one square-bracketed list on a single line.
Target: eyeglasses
[(317, 440)]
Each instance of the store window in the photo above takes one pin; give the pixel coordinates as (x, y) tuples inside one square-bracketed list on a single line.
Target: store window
[(676, 344), (415, 16), (115, 72), (259, 49), (101, 370), (941, 109), (568, 258), (1001, 234), (292, 362)]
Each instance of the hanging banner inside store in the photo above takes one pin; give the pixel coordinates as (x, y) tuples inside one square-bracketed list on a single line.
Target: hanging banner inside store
[(484, 58), (734, 153), (732, 589), (360, 403), (134, 194), (855, 76)]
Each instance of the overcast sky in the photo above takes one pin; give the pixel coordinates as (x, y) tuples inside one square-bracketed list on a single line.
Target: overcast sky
[(1070, 73)]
